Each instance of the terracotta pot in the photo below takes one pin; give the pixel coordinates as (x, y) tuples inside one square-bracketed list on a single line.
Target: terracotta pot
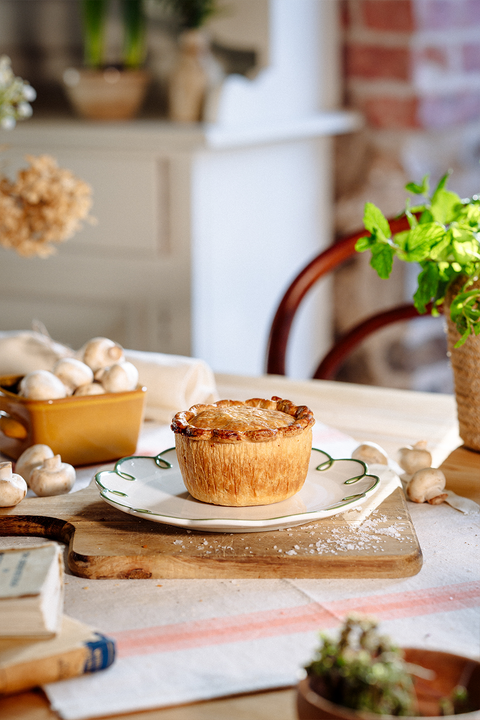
[(109, 94), (450, 670), (465, 362)]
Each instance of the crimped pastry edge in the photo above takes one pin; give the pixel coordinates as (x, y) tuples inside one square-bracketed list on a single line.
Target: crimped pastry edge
[(303, 419)]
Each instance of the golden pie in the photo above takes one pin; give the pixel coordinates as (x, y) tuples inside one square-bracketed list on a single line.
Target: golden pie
[(244, 453)]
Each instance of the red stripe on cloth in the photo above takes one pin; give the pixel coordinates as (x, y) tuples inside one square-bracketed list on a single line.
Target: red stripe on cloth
[(301, 618)]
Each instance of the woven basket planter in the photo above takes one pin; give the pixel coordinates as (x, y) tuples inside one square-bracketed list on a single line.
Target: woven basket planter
[(465, 362)]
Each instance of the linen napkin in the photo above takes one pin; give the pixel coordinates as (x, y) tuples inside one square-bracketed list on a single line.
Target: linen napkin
[(173, 382), (23, 351), (389, 481)]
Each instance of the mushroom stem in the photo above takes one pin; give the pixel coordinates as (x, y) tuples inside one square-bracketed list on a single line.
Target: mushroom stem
[(6, 471), (52, 463)]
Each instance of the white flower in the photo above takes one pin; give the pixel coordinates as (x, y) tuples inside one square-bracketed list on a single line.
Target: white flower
[(7, 123), (24, 110), (29, 93), (15, 95)]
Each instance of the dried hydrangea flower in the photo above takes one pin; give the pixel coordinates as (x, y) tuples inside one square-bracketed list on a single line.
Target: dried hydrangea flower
[(45, 204)]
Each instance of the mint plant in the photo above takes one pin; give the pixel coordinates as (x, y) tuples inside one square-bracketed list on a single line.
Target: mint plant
[(444, 239)]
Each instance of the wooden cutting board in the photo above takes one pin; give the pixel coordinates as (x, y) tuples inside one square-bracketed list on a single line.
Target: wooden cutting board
[(104, 542)]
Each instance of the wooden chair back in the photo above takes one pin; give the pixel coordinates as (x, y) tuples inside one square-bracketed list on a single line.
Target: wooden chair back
[(325, 262)]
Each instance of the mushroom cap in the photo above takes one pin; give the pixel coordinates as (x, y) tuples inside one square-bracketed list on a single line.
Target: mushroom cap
[(73, 373), (53, 477), (42, 385), (120, 377), (93, 388), (13, 487), (370, 453), (413, 458), (101, 352), (30, 458), (426, 485)]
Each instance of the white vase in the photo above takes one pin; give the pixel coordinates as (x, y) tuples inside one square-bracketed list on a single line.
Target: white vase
[(195, 80)]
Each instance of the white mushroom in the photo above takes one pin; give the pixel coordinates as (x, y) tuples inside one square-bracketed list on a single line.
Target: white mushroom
[(31, 458), (13, 487), (414, 458), (73, 373), (101, 352), (120, 377), (427, 485), (52, 477), (93, 388), (42, 385), (370, 453)]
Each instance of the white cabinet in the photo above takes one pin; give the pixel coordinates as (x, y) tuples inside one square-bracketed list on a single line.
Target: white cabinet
[(199, 228)]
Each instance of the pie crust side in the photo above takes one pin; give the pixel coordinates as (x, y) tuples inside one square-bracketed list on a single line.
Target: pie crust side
[(249, 467)]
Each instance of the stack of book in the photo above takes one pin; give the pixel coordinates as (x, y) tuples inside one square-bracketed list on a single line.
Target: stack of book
[(38, 643)]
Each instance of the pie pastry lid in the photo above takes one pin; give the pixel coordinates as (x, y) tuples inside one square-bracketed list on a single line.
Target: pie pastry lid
[(251, 466)]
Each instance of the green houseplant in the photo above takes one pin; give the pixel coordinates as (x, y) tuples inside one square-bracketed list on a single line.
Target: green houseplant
[(362, 674), (444, 239), (102, 91), (94, 23)]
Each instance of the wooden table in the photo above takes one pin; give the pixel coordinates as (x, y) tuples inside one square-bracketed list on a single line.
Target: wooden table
[(390, 417)]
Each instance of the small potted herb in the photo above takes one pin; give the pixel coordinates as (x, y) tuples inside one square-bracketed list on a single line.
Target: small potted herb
[(444, 239), (362, 674), (109, 91)]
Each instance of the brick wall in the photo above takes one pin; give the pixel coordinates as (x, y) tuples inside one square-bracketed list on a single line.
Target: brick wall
[(413, 63), (412, 67)]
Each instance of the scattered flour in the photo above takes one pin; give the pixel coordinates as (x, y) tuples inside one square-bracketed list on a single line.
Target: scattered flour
[(369, 536)]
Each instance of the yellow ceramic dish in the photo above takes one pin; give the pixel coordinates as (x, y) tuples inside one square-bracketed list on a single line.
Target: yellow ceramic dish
[(84, 430)]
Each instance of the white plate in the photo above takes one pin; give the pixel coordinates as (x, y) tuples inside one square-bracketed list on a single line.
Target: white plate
[(152, 488)]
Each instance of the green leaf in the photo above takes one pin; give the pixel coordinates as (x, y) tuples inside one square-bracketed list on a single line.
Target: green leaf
[(465, 252), (382, 260), (442, 182), (364, 243), (376, 222), (427, 287), (401, 238), (438, 249), (426, 216), (419, 189), (430, 233), (444, 206), (462, 340), (420, 239)]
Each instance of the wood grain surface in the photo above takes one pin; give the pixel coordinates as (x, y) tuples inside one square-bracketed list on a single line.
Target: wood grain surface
[(104, 542)]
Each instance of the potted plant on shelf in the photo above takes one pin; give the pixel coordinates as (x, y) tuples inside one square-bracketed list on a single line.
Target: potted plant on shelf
[(195, 79), (444, 239), (362, 675), (101, 91)]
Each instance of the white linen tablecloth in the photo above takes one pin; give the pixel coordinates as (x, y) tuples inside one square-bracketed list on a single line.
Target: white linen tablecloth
[(185, 640)]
